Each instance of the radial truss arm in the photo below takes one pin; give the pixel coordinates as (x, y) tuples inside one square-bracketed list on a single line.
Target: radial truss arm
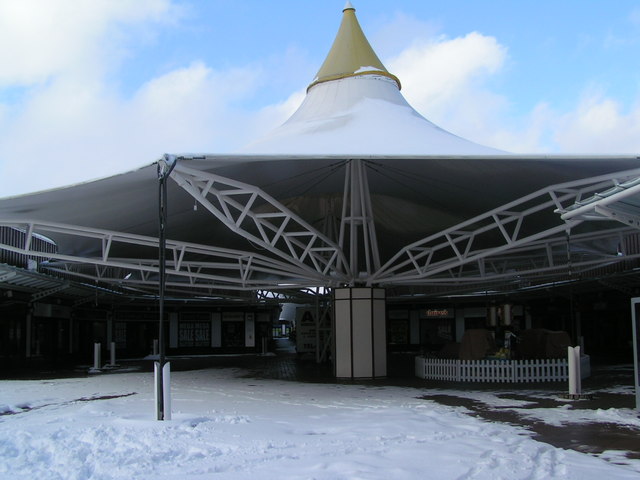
[(620, 202), (187, 264), (505, 229), (258, 217)]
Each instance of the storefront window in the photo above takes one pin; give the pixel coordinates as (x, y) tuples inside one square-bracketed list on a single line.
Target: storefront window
[(194, 334)]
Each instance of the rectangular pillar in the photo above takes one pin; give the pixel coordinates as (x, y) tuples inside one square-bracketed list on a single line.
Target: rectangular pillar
[(414, 327), (459, 316), (173, 330), (360, 335), (109, 330), (28, 332), (249, 330), (216, 330)]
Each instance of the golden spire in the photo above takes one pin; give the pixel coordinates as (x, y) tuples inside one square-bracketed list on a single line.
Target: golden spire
[(351, 54)]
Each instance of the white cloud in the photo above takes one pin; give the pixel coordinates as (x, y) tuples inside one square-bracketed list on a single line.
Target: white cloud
[(599, 125), (71, 124), (44, 39), (433, 74), (444, 79), (63, 123), (447, 80), (530, 134), (193, 108), (72, 131)]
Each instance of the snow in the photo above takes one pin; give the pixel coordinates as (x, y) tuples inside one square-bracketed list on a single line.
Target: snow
[(368, 68), (567, 414), (339, 116), (228, 426)]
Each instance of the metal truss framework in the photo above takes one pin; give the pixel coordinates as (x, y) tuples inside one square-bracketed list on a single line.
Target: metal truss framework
[(504, 244), (498, 239), (615, 203), (189, 265), (358, 222), (275, 227)]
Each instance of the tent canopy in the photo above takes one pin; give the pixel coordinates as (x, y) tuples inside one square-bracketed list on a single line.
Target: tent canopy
[(355, 188)]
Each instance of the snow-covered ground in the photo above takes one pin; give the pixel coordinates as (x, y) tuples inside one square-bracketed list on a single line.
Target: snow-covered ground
[(227, 426)]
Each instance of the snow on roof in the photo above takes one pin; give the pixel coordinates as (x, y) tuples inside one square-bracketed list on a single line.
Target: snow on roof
[(364, 115), (354, 106)]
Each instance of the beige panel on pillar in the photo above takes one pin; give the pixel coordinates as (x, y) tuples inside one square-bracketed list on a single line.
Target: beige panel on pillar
[(360, 333), (342, 331)]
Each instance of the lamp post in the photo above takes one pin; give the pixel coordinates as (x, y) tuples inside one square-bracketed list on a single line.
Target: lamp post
[(165, 167)]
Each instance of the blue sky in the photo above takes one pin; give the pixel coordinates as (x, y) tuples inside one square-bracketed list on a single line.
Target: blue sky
[(92, 88)]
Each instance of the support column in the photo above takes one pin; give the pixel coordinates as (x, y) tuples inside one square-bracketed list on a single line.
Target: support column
[(27, 329), (109, 330), (173, 330), (459, 324), (249, 330), (71, 339), (216, 330), (360, 345)]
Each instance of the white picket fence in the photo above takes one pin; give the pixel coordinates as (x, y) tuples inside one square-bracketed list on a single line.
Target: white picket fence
[(511, 371)]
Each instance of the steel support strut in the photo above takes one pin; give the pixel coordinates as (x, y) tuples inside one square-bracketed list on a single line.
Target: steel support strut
[(165, 167), (358, 221)]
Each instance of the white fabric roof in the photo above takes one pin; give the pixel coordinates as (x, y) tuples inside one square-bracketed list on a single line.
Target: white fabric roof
[(412, 195), (338, 117), (421, 179)]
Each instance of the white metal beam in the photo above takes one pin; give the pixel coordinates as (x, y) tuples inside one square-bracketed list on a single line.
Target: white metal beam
[(191, 261), (503, 229), (275, 228)]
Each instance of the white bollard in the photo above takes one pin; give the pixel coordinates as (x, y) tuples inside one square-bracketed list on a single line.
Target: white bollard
[(575, 382), (96, 356), (166, 388), (493, 316), (506, 314), (113, 354), (572, 376), (577, 363)]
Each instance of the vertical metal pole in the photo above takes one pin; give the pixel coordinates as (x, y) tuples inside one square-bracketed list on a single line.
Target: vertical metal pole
[(165, 166), (368, 225), (161, 266), (355, 215), (317, 319)]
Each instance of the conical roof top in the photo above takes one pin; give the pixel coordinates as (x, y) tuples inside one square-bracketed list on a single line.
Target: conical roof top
[(354, 107), (351, 54)]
